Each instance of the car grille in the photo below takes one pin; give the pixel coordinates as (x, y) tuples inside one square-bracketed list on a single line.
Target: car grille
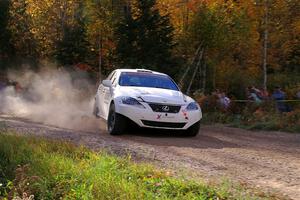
[(163, 124), (164, 108)]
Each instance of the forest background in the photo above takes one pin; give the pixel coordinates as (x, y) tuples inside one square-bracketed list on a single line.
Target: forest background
[(203, 44)]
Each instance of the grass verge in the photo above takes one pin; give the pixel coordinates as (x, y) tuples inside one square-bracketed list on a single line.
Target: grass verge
[(58, 170), (287, 122)]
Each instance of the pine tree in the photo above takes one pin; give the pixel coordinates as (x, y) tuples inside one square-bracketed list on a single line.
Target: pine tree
[(6, 48), (5, 35), (145, 38), (73, 48)]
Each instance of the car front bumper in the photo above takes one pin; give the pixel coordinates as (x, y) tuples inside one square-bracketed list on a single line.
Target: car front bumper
[(146, 117)]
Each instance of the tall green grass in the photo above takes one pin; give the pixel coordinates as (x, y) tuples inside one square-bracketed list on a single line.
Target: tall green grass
[(287, 122), (58, 170)]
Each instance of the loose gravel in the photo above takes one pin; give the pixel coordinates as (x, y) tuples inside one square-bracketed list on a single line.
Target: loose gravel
[(269, 161)]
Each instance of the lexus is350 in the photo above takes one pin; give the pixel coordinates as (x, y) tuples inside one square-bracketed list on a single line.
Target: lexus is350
[(149, 99)]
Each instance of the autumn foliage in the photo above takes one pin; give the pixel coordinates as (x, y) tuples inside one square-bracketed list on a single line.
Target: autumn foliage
[(231, 34)]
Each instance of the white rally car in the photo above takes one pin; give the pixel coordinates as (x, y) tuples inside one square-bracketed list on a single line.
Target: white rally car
[(147, 98)]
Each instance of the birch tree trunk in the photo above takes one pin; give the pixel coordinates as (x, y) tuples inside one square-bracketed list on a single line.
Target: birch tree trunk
[(265, 48), (100, 55), (200, 75), (204, 75)]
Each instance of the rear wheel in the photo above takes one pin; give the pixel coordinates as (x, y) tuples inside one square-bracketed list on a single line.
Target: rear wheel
[(193, 130), (116, 123)]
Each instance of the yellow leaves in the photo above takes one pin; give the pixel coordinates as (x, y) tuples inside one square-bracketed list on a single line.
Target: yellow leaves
[(179, 13), (296, 26), (44, 20)]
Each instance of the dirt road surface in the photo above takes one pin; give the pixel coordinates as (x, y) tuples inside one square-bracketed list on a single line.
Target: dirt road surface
[(269, 161)]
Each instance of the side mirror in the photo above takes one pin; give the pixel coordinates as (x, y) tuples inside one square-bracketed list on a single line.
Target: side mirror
[(107, 83)]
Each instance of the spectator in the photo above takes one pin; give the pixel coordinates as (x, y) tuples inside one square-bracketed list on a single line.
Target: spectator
[(298, 94), (252, 95), (224, 101), (265, 94), (279, 96), (214, 99), (257, 92), (216, 93)]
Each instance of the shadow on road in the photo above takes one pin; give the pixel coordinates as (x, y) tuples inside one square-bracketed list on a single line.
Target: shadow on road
[(159, 137)]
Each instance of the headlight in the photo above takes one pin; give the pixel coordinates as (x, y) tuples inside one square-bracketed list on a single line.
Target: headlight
[(192, 106), (132, 101)]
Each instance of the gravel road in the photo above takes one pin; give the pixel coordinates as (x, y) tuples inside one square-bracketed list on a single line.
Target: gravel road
[(269, 161)]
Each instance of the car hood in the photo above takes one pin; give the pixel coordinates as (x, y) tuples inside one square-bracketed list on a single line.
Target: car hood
[(154, 95)]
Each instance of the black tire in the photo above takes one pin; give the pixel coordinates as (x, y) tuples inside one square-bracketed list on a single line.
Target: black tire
[(116, 123), (193, 130)]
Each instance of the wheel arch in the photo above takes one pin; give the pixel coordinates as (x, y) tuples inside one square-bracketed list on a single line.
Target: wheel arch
[(116, 101), (113, 102)]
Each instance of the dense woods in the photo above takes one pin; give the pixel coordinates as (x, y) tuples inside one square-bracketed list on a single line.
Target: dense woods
[(226, 44)]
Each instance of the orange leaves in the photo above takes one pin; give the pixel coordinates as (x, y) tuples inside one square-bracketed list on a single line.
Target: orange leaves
[(193, 5)]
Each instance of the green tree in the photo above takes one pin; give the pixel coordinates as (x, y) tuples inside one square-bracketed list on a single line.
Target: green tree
[(5, 35), (145, 38), (51, 20), (102, 16), (6, 48), (219, 34), (20, 26), (73, 48)]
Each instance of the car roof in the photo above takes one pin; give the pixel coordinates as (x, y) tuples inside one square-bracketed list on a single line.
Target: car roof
[(141, 70)]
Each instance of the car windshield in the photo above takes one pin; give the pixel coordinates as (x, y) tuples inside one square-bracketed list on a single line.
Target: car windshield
[(145, 79)]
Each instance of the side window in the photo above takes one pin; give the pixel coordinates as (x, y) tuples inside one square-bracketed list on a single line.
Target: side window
[(114, 78), (111, 75)]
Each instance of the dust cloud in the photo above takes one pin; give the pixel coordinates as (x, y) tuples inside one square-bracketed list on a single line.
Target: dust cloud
[(51, 96)]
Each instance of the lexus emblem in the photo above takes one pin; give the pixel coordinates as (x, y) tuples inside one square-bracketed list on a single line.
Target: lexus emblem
[(166, 108)]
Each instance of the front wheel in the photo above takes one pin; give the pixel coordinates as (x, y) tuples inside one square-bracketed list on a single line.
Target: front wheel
[(193, 130), (116, 123)]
